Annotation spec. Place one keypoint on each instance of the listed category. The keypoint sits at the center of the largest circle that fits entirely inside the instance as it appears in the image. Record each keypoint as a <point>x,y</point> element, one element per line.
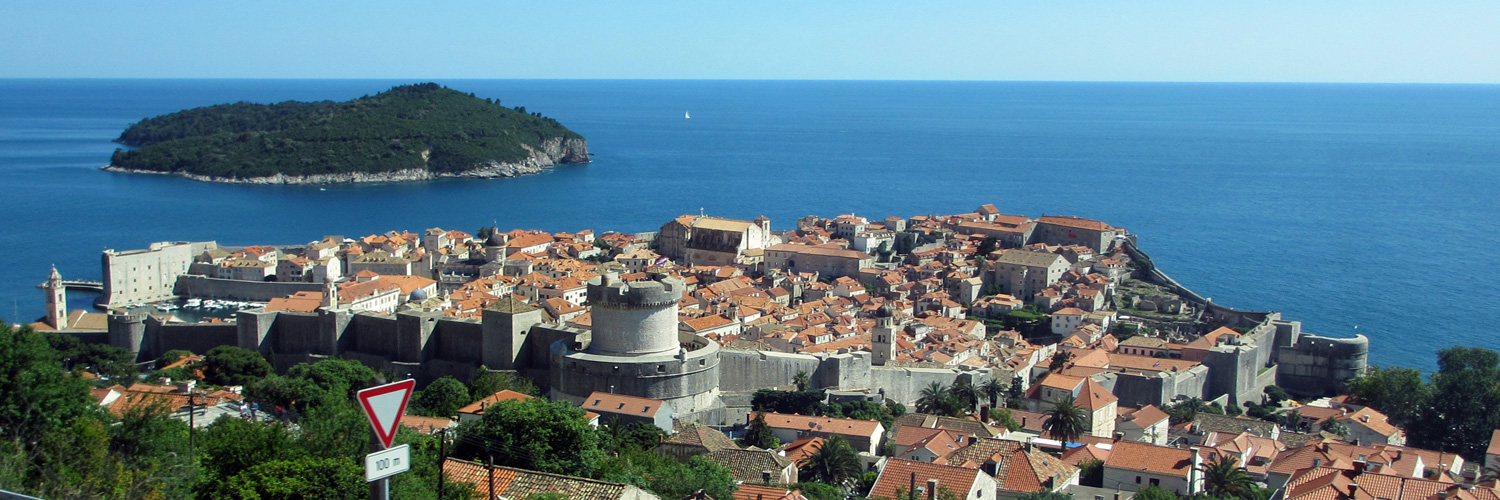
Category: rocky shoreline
<point>551,152</point>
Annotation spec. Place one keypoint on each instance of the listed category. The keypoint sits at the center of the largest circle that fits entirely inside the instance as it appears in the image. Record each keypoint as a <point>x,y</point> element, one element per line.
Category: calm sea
<point>1340,205</point>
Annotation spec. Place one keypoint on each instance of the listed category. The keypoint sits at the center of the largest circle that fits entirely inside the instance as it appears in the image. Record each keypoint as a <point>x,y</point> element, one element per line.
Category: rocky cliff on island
<point>409,133</point>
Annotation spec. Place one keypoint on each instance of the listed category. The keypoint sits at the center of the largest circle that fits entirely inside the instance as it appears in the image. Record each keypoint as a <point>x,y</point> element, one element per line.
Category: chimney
<point>932,486</point>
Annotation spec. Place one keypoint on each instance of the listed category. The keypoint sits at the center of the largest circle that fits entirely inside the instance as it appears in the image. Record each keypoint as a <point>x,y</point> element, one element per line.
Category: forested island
<point>408,133</point>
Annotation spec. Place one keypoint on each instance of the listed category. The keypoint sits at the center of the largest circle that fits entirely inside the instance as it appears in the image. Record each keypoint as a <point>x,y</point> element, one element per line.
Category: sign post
<point>384,405</point>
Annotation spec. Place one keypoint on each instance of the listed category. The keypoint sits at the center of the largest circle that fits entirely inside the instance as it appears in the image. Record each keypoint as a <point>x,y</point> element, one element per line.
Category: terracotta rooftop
<point>477,407</point>
<point>829,425</point>
<point>1132,455</point>
<point>510,482</point>
<point>897,474</point>
<point>620,404</point>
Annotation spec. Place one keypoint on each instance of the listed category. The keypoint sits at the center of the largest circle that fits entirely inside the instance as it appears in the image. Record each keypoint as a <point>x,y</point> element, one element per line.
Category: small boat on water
<point>686,116</point>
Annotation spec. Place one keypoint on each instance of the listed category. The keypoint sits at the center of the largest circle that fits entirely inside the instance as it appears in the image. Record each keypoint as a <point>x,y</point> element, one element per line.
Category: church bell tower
<point>57,301</point>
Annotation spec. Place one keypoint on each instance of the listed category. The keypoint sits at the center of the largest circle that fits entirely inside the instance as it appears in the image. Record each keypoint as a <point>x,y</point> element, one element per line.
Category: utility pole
<point>379,488</point>
<point>489,465</point>
<point>442,457</point>
<point>192,422</point>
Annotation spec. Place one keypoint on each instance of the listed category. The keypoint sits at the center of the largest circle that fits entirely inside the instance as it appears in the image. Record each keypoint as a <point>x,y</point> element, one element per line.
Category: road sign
<point>384,406</point>
<point>388,462</point>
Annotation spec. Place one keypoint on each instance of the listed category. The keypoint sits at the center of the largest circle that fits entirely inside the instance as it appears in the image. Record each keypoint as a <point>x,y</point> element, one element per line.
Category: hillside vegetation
<point>423,126</point>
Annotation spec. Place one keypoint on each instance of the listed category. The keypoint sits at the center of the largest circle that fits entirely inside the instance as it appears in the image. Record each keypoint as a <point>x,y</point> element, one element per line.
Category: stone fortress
<point>635,346</point>
<point>636,349</point>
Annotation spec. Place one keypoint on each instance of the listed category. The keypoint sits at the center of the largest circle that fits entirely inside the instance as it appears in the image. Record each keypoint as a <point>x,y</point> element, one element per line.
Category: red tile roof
<point>897,474</point>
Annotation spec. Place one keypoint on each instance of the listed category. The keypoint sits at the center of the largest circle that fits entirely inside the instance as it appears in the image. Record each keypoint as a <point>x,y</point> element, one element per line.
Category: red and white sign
<point>384,405</point>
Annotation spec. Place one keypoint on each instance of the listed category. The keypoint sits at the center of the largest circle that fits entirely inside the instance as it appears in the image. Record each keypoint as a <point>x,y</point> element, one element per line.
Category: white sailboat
<point>686,116</point>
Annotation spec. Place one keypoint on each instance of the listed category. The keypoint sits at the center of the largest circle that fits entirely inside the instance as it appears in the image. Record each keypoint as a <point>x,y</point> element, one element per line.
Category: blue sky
<point>1234,40</point>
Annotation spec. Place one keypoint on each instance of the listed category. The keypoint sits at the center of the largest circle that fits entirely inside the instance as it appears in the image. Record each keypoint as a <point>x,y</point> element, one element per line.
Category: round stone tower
<point>634,318</point>
<point>635,349</point>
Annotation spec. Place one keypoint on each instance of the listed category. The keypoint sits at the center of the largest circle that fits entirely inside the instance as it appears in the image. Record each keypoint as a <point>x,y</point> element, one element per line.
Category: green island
<point>408,133</point>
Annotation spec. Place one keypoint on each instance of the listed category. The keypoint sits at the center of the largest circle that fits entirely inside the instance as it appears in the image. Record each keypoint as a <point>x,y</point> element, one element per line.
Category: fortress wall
<point>1318,366</point>
<point>751,370</point>
<point>538,344</point>
<point>458,341</point>
<point>204,287</point>
<point>845,371</point>
<point>371,334</point>
<point>296,332</point>
<point>196,337</point>
<point>904,385</point>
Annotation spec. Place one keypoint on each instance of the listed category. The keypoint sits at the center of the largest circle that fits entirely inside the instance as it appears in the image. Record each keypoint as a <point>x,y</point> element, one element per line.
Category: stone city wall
<point>203,287</point>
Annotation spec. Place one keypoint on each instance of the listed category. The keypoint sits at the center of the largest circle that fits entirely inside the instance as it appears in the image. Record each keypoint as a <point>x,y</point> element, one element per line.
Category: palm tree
<point>801,380</point>
<point>966,395</point>
<point>1223,478</point>
<point>1065,421</point>
<point>933,398</point>
<point>833,463</point>
<point>994,388</point>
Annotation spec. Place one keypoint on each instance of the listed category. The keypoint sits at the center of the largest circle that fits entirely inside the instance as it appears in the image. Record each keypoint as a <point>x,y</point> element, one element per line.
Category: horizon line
<point>851,80</point>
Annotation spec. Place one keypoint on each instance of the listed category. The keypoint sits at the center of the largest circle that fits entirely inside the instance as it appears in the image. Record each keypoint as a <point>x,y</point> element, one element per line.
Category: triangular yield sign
<point>384,406</point>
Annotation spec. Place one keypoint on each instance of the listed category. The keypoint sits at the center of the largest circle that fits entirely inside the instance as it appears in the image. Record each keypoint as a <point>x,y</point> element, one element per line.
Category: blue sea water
<point>1338,205</point>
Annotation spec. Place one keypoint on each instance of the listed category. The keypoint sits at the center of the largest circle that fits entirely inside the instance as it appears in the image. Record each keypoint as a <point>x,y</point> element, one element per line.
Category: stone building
<point>825,261</point>
<point>136,276</point>
<point>702,240</point>
<point>1059,230</point>
<point>1022,273</point>
<point>635,349</point>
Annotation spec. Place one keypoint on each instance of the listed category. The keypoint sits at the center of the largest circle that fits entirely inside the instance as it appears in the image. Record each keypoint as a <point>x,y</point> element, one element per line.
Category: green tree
<point>1065,420</point>
<point>937,399</point>
<point>1223,478</point>
<point>994,388</point>
<point>1154,493</point>
<point>75,462</point>
<point>966,395</point>
<point>801,380</point>
<point>534,434</point>
<point>170,357</point>
<point>1399,393</point>
<point>1091,473</point>
<point>1275,395</point>
<point>619,436</point>
<point>758,433</point>
<point>818,491</point>
<point>666,477</point>
<point>1060,360</point>
<point>229,446</point>
<point>487,382</point>
<point>443,397</point>
<point>36,396</point>
<point>283,391</point>
<point>1016,390</point>
<point>335,429</point>
<point>103,359</point>
<point>233,365</point>
<point>1465,404</point>
<point>1045,495</point>
<point>799,402</point>
<point>835,462</point>
<point>1185,410</point>
<point>296,479</point>
<point>1335,427</point>
<point>1003,417</point>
